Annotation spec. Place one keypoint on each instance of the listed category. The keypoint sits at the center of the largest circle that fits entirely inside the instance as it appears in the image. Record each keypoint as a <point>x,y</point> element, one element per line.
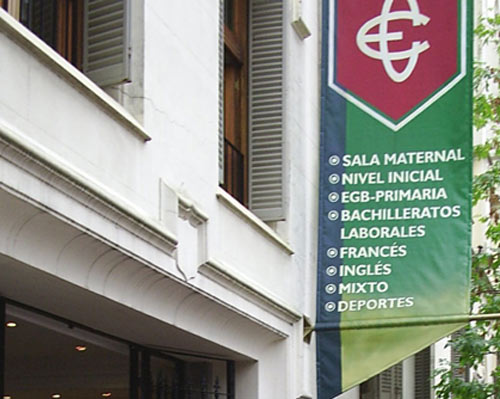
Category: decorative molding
<point>253,220</point>
<point>52,170</point>
<point>215,271</point>
<point>63,68</point>
<point>45,165</point>
<point>99,266</point>
<point>39,162</point>
<point>191,212</point>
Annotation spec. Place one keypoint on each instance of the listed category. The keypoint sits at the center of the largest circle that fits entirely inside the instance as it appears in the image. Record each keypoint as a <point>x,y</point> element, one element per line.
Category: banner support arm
<point>401,323</point>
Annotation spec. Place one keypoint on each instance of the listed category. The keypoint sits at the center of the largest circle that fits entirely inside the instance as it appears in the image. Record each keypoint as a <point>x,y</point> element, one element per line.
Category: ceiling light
<point>81,348</point>
<point>106,394</point>
<point>56,396</point>
<point>7,397</point>
<point>11,324</point>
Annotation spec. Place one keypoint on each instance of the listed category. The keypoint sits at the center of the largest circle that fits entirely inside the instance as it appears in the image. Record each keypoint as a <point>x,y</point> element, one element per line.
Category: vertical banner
<point>395,183</point>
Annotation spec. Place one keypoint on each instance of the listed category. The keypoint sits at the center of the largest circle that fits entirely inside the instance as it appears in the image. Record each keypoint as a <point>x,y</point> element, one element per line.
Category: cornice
<point>44,164</point>
<point>221,274</point>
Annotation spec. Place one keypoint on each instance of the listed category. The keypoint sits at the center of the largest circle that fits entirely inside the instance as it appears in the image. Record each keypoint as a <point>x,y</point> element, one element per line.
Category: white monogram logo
<point>383,37</point>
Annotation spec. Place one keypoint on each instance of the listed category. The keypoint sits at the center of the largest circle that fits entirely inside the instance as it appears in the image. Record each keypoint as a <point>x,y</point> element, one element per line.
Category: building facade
<point>158,198</point>
<point>158,201</point>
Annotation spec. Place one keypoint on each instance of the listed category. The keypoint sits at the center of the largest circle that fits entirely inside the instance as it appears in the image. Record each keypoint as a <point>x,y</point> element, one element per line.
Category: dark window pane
<point>165,378</point>
<point>229,13</point>
<point>40,16</point>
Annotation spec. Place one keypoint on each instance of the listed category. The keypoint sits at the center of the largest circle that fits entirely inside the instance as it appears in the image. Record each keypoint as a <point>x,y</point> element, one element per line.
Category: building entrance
<point>43,356</point>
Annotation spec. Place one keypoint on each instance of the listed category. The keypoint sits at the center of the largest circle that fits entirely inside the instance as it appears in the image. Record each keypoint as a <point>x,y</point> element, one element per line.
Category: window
<point>408,379</point>
<point>386,385</point>
<point>58,23</point>
<point>462,373</point>
<point>235,99</point>
<point>423,385</point>
<point>93,35</point>
<point>252,164</point>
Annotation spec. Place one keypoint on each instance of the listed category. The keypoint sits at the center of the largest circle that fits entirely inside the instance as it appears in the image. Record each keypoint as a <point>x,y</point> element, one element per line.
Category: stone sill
<point>226,199</point>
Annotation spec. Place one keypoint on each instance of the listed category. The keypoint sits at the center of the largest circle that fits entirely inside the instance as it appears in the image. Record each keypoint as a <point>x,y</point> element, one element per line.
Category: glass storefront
<point>46,357</point>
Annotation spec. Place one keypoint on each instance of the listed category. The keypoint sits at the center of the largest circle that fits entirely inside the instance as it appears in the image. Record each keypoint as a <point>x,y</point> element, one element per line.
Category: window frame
<point>235,100</point>
<point>78,35</point>
<point>264,171</point>
<point>68,26</point>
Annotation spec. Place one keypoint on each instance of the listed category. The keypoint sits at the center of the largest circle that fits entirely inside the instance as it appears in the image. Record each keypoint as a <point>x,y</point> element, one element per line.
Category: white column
<point>409,378</point>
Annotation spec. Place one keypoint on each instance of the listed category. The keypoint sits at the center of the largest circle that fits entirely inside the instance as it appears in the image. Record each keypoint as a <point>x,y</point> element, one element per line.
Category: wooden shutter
<point>423,374</point>
<point>266,163</point>
<point>107,41</point>
<point>391,383</point>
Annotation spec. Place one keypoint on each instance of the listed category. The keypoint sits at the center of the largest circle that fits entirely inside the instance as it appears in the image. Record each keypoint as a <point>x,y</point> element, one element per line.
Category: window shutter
<point>461,373</point>
<point>423,374</point>
<point>398,381</point>
<point>106,50</point>
<point>369,389</point>
<point>391,383</point>
<point>385,384</point>
<point>221,91</point>
<point>266,169</point>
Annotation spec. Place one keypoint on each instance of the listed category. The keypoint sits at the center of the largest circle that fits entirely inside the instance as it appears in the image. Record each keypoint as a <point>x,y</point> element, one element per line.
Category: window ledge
<point>58,64</point>
<point>220,273</point>
<point>227,199</point>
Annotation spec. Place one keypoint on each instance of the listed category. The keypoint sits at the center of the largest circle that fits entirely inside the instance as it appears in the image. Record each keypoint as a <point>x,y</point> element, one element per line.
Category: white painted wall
<point>55,110</point>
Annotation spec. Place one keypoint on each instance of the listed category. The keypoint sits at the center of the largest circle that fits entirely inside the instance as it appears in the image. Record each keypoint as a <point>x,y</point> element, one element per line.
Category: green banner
<point>395,183</point>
